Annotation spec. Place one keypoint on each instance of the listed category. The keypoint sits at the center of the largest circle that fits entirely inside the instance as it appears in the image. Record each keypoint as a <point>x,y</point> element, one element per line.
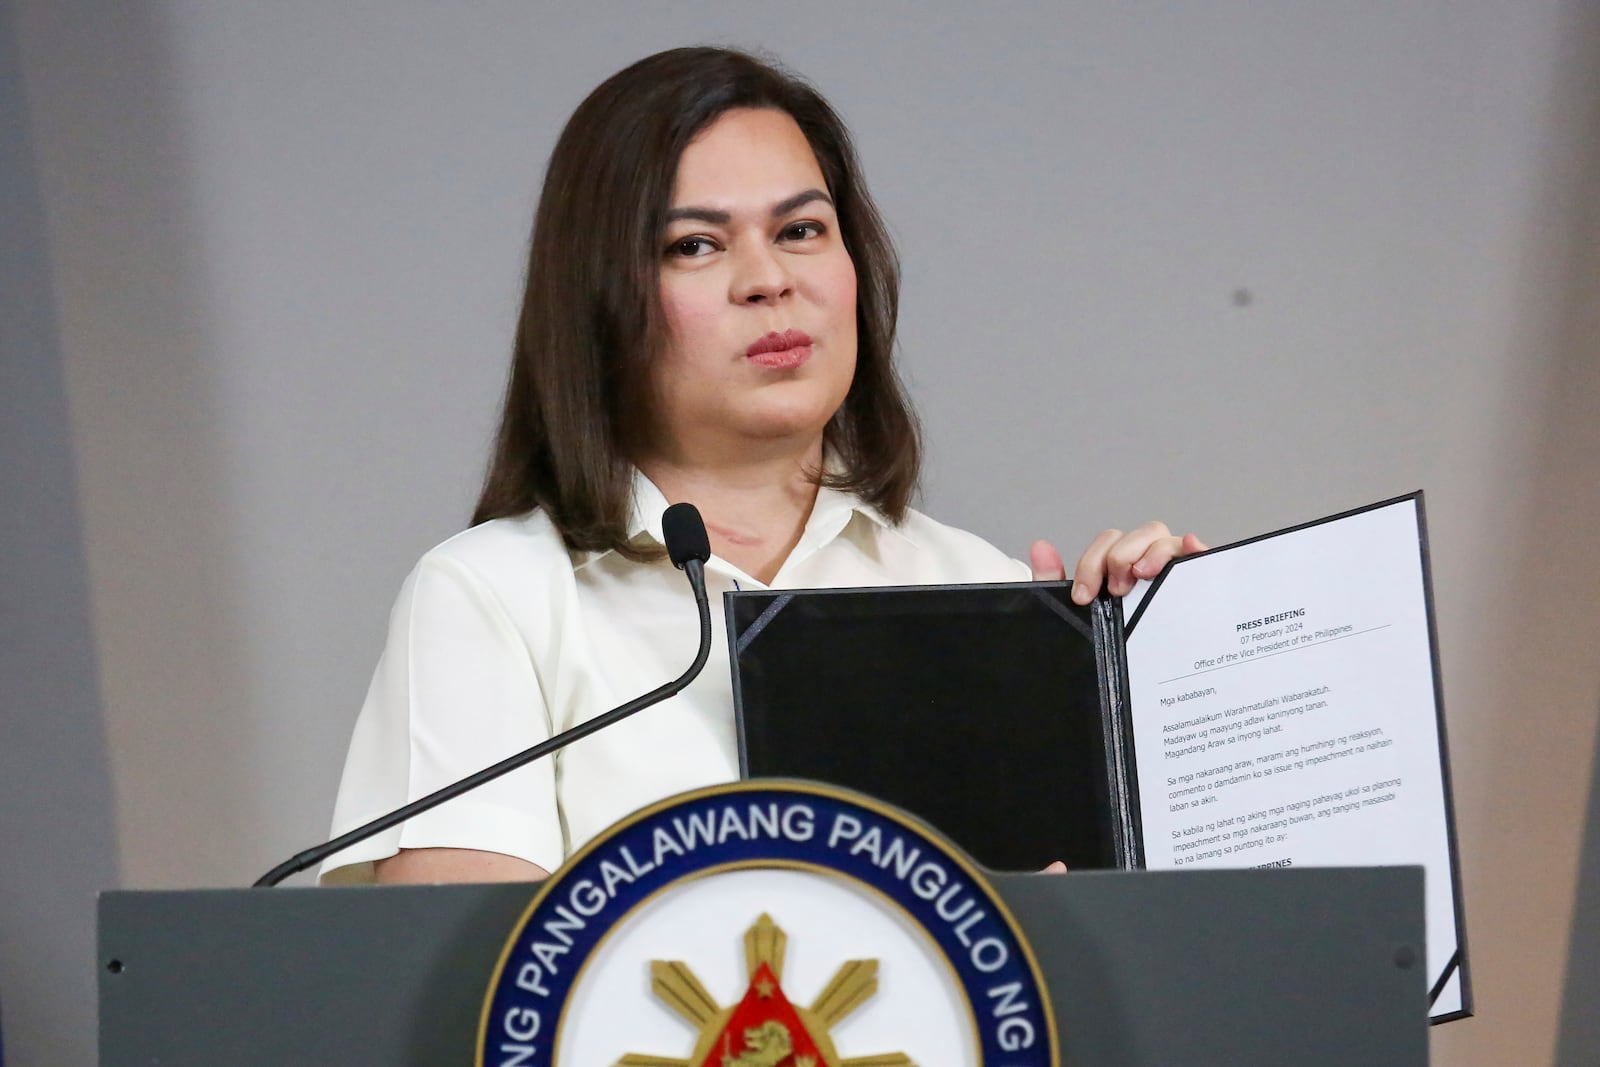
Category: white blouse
<point>501,637</point>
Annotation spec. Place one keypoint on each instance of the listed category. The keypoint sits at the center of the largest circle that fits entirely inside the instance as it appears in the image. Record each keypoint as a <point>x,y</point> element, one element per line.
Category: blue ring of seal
<point>578,905</point>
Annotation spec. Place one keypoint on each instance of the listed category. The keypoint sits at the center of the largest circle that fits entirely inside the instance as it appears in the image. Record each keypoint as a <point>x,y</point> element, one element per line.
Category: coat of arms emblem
<point>764,1028</point>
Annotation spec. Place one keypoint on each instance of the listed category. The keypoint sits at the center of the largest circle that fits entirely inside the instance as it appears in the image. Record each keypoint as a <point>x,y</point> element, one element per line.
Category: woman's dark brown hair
<point>576,402</point>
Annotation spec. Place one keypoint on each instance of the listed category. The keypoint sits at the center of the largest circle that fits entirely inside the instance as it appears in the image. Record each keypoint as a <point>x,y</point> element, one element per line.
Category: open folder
<point>1270,703</point>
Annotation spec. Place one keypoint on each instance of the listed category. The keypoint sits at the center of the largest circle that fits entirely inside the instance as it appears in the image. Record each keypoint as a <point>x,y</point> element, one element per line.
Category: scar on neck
<point>734,537</point>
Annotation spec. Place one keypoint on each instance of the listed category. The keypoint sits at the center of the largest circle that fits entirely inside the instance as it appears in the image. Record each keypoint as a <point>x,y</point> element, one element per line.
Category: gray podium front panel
<point>1167,969</point>
<point>1290,967</point>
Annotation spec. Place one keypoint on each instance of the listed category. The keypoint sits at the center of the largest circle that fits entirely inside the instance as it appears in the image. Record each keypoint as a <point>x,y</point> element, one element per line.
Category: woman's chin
<point>760,430</point>
<point>799,429</point>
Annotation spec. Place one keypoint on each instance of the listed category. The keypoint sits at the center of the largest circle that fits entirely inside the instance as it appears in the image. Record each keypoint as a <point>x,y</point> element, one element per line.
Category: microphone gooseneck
<point>689,549</point>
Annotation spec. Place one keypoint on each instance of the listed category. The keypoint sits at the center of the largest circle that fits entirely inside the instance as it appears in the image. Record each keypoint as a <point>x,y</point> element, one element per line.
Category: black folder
<point>992,711</point>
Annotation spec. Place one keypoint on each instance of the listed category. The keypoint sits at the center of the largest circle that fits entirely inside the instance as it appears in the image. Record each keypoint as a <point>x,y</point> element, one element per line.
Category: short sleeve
<point>456,690</point>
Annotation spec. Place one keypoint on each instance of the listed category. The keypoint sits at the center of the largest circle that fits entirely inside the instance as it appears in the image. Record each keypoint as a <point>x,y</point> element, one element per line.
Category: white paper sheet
<point>1284,711</point>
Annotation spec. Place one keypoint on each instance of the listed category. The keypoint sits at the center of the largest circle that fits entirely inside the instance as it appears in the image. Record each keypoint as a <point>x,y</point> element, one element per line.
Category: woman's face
<point>759,296</point>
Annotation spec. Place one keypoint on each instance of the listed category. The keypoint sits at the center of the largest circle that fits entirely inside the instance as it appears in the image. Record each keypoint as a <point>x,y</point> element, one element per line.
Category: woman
<point>709,316</point>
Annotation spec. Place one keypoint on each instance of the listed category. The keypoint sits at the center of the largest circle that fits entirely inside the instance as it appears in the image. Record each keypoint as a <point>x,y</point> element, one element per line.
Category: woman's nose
<point>760,275</point>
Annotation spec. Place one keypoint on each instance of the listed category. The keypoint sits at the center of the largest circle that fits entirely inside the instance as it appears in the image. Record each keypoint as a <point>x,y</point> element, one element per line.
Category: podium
<point>1144,969</point>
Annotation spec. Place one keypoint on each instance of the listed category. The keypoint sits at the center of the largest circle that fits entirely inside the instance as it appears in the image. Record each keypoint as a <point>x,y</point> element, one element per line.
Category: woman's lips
<point>781,351</point>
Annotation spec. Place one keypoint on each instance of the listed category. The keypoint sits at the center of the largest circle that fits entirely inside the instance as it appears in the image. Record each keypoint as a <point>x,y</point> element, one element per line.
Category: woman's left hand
<point>1114,559</point>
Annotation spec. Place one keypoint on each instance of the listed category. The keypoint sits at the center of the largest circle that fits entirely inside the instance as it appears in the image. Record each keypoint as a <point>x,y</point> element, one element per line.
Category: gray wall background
<point>1235,265</point>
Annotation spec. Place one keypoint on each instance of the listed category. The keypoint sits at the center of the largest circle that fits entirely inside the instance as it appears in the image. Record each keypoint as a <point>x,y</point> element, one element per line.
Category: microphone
<point>685,536</point>
<point>688,548</point>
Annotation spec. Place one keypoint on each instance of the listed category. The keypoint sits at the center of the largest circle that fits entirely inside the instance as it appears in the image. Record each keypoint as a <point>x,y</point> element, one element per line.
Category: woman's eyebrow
<point>722,218</point>
<point>798,200</point>
<point>699,214</point>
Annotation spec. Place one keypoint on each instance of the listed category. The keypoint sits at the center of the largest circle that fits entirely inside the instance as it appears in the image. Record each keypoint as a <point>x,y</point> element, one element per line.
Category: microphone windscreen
<point>685,534</point>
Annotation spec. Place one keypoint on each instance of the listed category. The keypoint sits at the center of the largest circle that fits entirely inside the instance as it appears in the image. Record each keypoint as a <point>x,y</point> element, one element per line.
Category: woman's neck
<point>755,509</point>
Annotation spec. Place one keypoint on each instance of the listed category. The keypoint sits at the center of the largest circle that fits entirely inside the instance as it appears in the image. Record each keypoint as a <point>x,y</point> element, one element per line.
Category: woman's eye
<point>690,247</point>
<point>800,231</point>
